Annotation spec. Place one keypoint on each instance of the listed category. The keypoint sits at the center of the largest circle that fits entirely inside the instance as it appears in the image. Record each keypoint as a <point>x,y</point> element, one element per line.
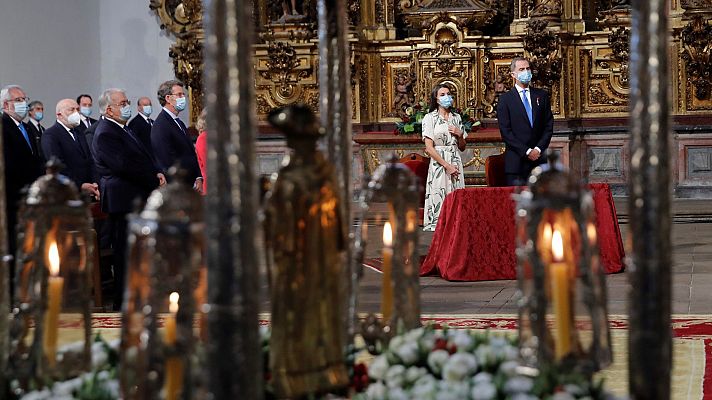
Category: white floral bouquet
<point>430,364</point>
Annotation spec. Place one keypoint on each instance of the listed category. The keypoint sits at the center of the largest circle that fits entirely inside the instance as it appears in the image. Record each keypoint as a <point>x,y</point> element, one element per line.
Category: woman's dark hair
<point>434,96</point>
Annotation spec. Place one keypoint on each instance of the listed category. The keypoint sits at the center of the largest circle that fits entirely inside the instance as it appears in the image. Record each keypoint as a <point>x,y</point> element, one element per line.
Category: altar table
<point>474,239</point>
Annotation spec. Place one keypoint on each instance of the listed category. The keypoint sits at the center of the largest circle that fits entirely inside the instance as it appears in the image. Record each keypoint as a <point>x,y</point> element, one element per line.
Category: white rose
<point>485,354</point>
<point>414,334</point>
<point>437,359</point>
<point>376,391</point>
<point>408,353</point>
<point>454,390</point>
<point>484,391</point>
<point>424,388</point>
<point>509,368</point>
<point>397,394</point>
<point>511,353</point>
<point>414,373</point>
<point>462,340</point>
<point>562,396</point>
<point>396,342</point>
<point>482,377</point>
<point>379,366</point>
<point>575,390</point>
<point>518,384</point>
<point>524,396</point>
<point>395,376</point>
<point>459,366</point>
<point>427,342</point>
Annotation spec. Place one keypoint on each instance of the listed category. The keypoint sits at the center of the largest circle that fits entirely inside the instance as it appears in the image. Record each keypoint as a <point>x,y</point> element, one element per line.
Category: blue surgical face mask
<point>38,116</point>
<point>445,100</point>
<point>86,111</point>
<point>21,109</point>
<point>147,110</point>
<point>524,76</point>
<point>180,103</point>
<point>126,112</point>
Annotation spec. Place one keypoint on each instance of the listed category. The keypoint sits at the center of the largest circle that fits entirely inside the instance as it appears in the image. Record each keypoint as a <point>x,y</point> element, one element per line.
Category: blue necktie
<point>27,137</point>
<point>527,107</point>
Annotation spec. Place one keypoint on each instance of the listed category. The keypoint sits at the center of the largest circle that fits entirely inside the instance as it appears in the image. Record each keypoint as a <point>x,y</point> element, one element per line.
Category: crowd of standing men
<point>113,159</point>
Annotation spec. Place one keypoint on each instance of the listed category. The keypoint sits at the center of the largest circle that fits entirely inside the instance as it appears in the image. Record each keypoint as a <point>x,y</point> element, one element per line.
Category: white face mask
<point>74,119</point>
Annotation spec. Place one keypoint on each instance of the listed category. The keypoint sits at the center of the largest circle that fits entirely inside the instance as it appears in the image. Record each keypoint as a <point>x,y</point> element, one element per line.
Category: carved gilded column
<point>650,335</point>
<point>378,18</point>
<point>525,10</point>
<point>184,20</point>
<point>234,355</point>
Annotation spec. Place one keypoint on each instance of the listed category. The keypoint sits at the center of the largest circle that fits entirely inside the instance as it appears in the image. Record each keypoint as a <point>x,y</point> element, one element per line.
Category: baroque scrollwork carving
<point>697,54</point>
<point>468,15</point>
<point>545,9</point>
<point>184,20</point>
<point>282,63</point>
<point>619,42</point>
<point>542,47</point>
<point>404,95</point>
<point>496,81</point>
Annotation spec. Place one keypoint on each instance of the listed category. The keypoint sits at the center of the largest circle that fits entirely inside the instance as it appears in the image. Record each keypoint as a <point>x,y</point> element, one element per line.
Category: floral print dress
<point>439,184</point>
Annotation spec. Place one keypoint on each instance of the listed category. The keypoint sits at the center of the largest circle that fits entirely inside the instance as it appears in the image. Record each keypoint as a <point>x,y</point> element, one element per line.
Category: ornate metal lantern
<point>559,271</point>
<point>53,277</point>
<point>392,198</point>
<point>166,274</point>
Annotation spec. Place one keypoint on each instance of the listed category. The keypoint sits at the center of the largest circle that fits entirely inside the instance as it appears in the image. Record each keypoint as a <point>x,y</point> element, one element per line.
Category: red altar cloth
<point>474,239</point>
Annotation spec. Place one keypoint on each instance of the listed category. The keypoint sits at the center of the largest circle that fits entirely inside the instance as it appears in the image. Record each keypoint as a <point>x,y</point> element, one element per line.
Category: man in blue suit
<point>23,160</point>
<point>128,172</point>
<point>169,135</point>
<point>525,123</point>
<point>71,148</point>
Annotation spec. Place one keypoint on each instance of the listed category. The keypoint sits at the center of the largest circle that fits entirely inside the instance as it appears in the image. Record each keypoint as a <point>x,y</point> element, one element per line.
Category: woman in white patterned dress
<point>444,137</point>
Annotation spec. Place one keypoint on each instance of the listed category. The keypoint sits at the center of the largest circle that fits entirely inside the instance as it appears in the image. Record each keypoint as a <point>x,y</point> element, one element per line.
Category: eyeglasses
<point>20,99</point>
<point>123,104</point>
<point>178,94</point>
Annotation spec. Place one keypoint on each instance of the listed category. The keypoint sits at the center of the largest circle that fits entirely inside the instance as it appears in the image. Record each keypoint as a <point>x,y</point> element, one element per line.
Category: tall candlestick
<point>55,284</point>
<point>387,285</point>
<point>173,382</point>
<point>560,293</point>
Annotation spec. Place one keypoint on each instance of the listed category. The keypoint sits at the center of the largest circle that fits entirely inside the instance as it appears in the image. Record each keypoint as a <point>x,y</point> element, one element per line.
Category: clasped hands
<point>534,154</point>
<point>454,130</point>
<point>197,186</point>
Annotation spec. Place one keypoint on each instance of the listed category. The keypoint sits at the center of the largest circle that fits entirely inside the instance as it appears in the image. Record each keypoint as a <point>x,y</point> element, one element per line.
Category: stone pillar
<point>335,106</point>
<point>377,20</point>
<point>234,356</point>
<point>650,336</point>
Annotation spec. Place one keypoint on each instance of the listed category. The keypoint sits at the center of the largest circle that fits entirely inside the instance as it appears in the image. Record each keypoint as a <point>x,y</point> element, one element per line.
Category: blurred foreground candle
<point>560,294</point>
<point>387,285</point>
<point>173,381</point>
<point>55,284</point>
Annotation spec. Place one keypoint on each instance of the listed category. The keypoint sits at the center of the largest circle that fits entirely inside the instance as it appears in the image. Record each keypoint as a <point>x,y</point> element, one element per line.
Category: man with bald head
<point>23,162</point>
<point>141,124</point>
<point>61,140</point>
<point>128,172</point>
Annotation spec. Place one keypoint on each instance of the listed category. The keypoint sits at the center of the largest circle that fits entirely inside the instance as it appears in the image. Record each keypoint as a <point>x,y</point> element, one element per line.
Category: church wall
<point>61,48</point>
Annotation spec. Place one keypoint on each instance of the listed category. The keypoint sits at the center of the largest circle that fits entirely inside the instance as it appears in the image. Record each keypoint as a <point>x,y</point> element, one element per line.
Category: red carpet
<point>692,345</point>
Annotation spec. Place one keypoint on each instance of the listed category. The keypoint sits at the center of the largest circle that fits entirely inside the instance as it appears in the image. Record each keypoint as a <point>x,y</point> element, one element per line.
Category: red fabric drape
<point>474,239</point>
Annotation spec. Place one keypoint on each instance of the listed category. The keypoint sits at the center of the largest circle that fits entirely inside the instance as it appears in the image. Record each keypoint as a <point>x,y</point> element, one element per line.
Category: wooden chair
<point>494,171</point>
<point>419,165</point>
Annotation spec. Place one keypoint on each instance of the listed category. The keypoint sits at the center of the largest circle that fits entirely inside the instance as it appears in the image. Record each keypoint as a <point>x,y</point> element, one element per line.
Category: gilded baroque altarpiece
<point>400,49</point>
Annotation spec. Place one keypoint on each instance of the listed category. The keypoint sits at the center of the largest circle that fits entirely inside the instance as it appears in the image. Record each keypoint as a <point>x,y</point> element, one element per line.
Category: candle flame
<point>53,259</point>
<point>387,235</point>
<point>173,299</point>
<point>557,246</point>
<point>591,230</point>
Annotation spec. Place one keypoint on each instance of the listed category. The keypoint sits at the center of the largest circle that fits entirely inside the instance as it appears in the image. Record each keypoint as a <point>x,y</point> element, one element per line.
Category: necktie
<point>40,128</point>
<point>527,107</point>
<point>27,137</point>
<point>182,126</point>
<point>150,121</point>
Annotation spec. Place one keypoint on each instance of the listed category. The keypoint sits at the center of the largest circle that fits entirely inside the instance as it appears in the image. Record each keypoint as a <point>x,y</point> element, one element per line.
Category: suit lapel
<point>536,99</point>
<point>520,105</point>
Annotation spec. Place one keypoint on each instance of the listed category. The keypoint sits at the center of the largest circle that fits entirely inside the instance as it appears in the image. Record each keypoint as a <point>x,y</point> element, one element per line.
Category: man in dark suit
<point>142,123</point>
<point>127,172</point>
<point>85,103</point>
<point>23,163</point>
<point>61,141</point>
<point>35,113</point>
<point>525,123</point>
<point>169,135</point>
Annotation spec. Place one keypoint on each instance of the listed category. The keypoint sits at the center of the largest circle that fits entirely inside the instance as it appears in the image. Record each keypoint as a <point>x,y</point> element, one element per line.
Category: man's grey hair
<point>513,65</point>
<point>5,93</point>
<point>105,98</point>
<point>33,104</point>
<point>166,88</point>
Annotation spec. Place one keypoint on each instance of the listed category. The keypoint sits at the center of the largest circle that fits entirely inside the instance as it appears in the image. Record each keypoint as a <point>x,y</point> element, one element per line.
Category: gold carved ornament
<point>697,54</point>
<point>184,20</point>
<point>542,47</point>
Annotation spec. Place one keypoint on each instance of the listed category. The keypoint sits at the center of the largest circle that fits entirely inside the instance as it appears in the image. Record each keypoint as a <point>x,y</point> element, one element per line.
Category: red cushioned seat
<point>494,171</point>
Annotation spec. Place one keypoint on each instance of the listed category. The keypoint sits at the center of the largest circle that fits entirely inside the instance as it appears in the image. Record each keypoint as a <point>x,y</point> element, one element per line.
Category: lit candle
<point>55,284</point>
<point>560,293</point>
<point>387,286</point>
<point>173,381</point>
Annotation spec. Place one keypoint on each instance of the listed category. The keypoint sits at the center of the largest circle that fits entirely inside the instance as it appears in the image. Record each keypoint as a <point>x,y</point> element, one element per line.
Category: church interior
<point>304,268</point>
